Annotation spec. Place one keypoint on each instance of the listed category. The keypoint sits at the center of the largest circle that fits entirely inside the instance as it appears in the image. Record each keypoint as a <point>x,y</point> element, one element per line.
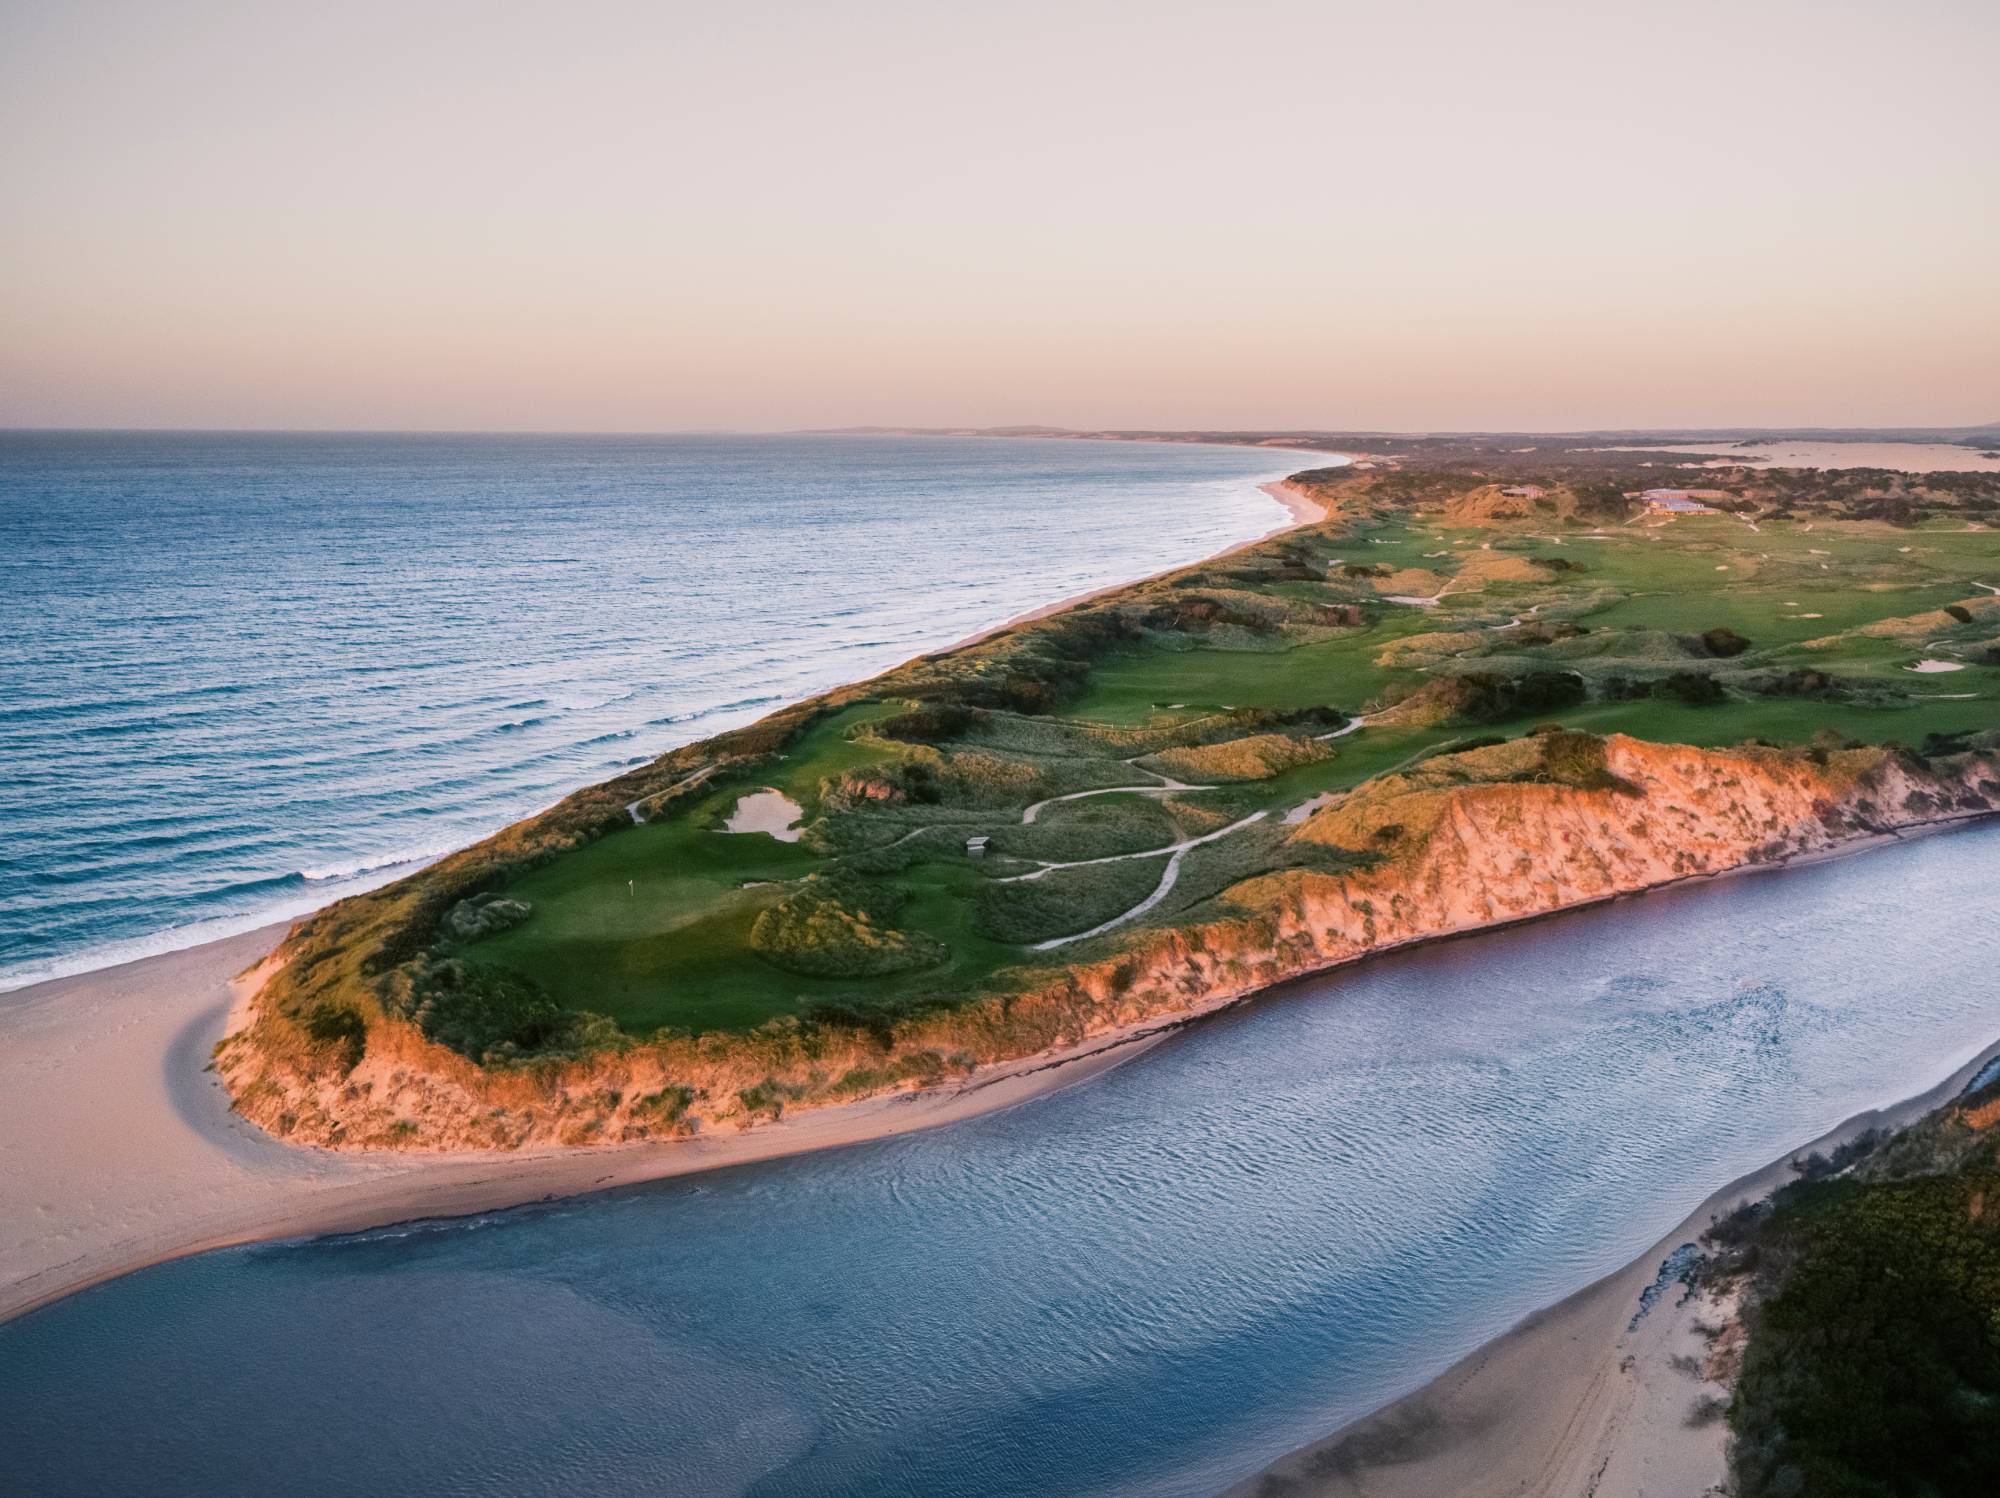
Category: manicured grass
<point>651,926</point>
<point>1338,673</point>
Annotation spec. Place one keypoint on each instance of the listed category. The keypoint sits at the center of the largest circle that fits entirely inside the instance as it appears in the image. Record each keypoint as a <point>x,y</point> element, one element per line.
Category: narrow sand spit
<point>769,811</point>
<point>1580,1399</point>
<point>117,1150</point>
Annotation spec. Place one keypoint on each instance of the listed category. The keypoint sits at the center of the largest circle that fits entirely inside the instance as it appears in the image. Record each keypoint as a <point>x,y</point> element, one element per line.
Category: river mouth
<point>1154,1283</point>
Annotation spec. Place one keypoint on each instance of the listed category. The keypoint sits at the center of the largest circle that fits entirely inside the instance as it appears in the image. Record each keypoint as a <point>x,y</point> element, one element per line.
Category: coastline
<point>92,1063</point>
<point>82,1080</point>
<point>1300,508</point>
<point>1580,1397</point>
<point>373,873</point>
<point>88,1210</point>
<point>94,1060</point>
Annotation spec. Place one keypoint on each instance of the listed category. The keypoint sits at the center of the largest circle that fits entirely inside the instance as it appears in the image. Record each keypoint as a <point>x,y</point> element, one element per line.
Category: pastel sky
<point>599,215</point>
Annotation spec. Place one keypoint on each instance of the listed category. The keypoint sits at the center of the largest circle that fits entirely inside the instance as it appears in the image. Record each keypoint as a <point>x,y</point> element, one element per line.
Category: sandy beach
<point>1583,1398</point>
<point>119,1150</point>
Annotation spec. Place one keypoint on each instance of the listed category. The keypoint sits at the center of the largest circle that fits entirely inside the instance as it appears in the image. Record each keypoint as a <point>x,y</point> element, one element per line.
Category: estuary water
<point>243,674</point>
<point>1149,1284</point>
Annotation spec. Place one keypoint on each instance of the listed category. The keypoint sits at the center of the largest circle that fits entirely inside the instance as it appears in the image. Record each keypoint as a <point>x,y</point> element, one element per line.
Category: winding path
<point>1168,877</point>
<point>632,807</point>
<point>1166,787</point>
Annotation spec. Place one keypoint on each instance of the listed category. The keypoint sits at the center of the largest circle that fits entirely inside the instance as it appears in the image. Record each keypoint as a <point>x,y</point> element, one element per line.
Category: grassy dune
<point>1790,622</point>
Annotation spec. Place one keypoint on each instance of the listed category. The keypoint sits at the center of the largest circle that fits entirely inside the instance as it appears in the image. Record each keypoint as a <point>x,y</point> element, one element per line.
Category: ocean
<point>242,674</point>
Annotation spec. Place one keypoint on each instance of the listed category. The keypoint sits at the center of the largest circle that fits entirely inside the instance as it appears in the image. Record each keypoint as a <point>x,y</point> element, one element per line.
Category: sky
<point>611,216</point>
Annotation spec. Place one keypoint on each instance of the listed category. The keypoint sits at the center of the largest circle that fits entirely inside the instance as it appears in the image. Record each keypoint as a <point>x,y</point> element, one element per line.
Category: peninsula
<point>1493,682</point>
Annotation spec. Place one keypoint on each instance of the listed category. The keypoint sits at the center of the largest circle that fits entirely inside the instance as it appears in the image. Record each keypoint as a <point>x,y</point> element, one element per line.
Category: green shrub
<point>1493,697</point>
<point>840,926</point>
<point>340,1029</point>
<point>496,1016</point>
<point>1578,759</point>
<point>1874,1368</point>
<point>665,1111</point>
<point>1690,688</point>
<point>933,723</point>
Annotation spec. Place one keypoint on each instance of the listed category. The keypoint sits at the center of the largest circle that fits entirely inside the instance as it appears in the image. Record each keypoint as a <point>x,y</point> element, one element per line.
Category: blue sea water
<point>1149,1284</point>
<point>242,674</point>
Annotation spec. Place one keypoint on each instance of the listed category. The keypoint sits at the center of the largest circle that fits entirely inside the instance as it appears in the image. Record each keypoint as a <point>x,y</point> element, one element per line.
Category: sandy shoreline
<point>118,1150</point>
<point>1580,1398</point>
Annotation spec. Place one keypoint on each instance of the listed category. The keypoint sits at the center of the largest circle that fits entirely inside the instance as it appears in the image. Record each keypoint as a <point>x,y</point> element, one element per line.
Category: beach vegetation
<point>841,927</point>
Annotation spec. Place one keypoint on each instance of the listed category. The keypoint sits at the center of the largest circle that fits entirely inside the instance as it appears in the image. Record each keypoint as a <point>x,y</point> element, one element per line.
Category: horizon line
<point>1010,429</point>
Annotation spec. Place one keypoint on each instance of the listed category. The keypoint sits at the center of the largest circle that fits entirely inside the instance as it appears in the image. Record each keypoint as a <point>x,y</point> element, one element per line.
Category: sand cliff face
<point>1462,843</point>
<point>1462,858</point>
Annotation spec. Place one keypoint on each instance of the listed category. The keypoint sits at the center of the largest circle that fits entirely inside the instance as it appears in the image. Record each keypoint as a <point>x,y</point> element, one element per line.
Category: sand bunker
<point>767,811</point>
<point>1931,668</point>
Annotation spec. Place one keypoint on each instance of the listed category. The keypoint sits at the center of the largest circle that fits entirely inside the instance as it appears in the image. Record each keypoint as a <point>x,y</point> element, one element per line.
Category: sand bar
<point>118,1150</point>
<point>1901,457</point>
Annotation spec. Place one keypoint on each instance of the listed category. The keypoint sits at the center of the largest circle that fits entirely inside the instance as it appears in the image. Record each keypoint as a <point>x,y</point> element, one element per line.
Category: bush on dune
<point>841,927</point>
<point>1493,697</point>
<point>1873,1365</point>
<point>1689,688</point>
<point>1254,758</point>
<point>494,1015</point>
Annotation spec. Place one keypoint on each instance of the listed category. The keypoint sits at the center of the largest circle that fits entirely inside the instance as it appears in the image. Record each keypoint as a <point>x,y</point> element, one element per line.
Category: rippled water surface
<point>243,674</point>
<point>1152,1283</point>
